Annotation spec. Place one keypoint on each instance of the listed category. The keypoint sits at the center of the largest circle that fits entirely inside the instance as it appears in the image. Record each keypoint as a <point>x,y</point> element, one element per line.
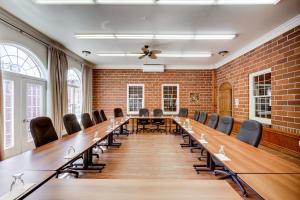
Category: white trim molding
<point>167,67</point>
<point>252,100</point>
<point>292,23</point>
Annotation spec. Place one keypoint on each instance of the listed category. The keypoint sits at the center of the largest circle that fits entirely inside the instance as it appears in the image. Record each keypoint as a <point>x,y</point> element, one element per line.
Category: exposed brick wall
<point>110,88</point>
<point>282,55</point>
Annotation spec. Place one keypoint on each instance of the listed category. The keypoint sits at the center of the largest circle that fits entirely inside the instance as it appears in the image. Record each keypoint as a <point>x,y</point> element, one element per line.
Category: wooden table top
<point>244,158</point>
<point>108,189</point>
<point>274,186</point>
<point>36,177</point>
<point>51,156</point>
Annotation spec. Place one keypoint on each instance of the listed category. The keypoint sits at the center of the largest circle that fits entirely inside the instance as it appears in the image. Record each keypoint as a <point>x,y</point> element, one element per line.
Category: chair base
<point>235,179</point>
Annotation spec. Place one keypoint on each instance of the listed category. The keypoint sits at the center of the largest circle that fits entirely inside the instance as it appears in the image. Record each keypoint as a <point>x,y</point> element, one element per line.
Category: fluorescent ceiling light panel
<point>186,2</point>
<point>160,2</point>
<point>247,2</point>
<point>57,2</point>
<point>126,2</point>
<point>162,55</point>
<point>124,36</point>
<point>193,55</point>
<point>95,36</point>
<point>156,37</point>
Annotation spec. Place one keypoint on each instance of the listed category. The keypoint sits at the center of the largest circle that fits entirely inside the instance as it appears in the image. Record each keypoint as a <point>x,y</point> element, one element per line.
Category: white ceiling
<point>60,22</point>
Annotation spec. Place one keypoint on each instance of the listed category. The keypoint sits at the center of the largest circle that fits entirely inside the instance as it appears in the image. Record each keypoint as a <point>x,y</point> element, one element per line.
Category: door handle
<point>26,120</point>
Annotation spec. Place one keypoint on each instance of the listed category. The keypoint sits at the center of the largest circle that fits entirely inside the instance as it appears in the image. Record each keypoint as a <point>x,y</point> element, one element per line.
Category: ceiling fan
<point>150,53</point>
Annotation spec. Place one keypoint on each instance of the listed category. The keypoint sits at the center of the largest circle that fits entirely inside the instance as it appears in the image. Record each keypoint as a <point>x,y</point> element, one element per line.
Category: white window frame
<point>252,100</point>
<point>73,87</point>
<point>143,101</point>
<point>177,102</point>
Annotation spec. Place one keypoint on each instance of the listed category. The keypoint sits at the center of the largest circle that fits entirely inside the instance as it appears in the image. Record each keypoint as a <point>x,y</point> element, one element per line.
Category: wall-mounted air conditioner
<point>153,68</point>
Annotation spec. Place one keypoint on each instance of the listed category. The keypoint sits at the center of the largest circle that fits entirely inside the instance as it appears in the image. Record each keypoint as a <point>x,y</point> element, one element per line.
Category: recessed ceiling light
<point>57,2</point>
<point>156,37</point>
<point>162,55</point>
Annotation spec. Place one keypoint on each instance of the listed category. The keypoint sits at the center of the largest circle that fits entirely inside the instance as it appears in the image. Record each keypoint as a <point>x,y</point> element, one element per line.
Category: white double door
<point>24,98</point>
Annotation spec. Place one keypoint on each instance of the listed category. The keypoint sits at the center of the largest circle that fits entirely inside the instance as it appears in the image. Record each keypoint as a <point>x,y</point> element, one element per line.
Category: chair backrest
<point>118,112</point>
<point>158,112</point>
<point>202,117</point>
<point>183,112</point>
<point>103,116</point>
<point>226,125</point>
<point>42,131</point>
<point>86,120</point>
<point>143,112</point>
<point>196,115</point>
<point>213,120</point>
<point>250,132</point>
<point>71,123</point>
<point>96,117</point>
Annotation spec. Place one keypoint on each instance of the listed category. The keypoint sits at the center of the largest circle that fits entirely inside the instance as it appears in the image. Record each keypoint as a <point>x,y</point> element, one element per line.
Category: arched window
<point>19,60</point>
<point>74,92</point>
<point>24,95</point>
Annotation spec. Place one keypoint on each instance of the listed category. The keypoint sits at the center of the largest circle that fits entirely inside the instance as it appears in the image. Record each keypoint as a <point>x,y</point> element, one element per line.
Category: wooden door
<point>225,99</point>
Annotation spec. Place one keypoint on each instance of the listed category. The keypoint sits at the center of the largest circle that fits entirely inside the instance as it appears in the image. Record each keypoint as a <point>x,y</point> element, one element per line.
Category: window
<point>17,60</point>
<point>260,96</point>
<point>135,98</point>
<point>170,98</point>
<point>74,92</point>
<point>24,96</point>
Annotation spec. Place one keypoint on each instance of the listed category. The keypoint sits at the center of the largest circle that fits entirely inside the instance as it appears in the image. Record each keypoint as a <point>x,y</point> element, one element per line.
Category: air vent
<point>153,68</point>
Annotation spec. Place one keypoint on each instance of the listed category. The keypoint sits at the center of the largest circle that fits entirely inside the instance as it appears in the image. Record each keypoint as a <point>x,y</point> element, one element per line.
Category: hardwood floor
<point>151,156</point>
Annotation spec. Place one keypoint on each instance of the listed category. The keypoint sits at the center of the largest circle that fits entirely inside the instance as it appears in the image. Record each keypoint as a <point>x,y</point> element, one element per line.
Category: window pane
<point>8,107</point>
<point>74,93</point>
<point>135,98</point>
<point>17,60</point>
<point>170,98</point>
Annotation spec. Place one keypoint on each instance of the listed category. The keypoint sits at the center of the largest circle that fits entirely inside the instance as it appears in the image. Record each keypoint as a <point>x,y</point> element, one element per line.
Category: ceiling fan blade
<point>142,56</point>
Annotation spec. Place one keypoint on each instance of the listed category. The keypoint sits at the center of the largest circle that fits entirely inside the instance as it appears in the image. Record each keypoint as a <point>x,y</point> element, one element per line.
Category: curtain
<point>1,116</point>
<point>57,84</point>
<point>87,84</point>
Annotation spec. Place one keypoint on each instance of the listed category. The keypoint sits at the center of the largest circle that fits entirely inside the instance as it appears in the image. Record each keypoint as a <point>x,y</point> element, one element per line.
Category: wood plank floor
<point>150,156</point>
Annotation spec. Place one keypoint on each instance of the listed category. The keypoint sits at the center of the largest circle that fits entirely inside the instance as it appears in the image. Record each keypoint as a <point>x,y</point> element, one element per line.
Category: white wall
<point>10,35</point>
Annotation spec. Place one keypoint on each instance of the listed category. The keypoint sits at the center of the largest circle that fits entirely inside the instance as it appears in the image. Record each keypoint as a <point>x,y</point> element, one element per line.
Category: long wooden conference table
<point>252,165</point>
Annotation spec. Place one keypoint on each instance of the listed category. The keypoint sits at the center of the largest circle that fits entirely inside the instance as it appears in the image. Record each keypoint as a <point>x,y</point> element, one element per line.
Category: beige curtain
<point>87,85</point>
<point>58,70</point>
<point>1,117</point>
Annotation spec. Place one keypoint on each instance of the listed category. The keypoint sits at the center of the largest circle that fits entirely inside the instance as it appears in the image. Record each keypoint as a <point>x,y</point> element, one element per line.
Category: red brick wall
<point>282,55</point>
<point>110,88</point>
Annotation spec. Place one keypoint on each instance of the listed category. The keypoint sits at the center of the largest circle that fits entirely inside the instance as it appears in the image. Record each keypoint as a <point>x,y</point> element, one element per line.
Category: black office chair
<point>71,123</point>
<point>43,132</point>
<point>226,125</point>
<point>96,116</point>
<point>158,122</point>
<point>202,117</point>
<point>196,115</point>
<point>118,112</point>
<point>250,133</point>
<point>143,112</point>
<point>86,120</point>
<point>213,120</point>
<point>103,116</point>
<point>183,112</point>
